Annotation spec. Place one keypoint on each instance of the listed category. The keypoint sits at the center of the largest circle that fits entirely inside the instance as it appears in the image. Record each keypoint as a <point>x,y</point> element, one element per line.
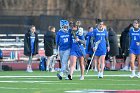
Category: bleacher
<point>14,43</point>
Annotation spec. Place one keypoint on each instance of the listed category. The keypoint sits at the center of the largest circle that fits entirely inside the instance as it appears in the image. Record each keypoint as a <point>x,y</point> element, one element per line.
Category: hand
<point>74,28</point>
<point>138,43</point>
<point>108,49</point>
<point>77,39</point>
<point>94,49</point>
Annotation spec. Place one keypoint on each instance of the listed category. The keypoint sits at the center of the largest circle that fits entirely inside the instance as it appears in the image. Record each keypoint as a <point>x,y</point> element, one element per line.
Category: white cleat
<point>95,70</point>
<point>125,69</point>
<point>29,70</point>
<point>132,75</point>
<point>66,78</point>
<point>100,75</point>
<point>138,75</point>
<point>82,78</point>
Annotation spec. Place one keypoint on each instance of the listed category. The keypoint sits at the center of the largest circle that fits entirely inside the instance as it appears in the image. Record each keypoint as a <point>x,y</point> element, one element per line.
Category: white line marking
<point>126,75</point>
<point>113,79</point>
<point>102,91</point>
<point>27,81</point>
<point>60,83</point>
<point>13,88</point>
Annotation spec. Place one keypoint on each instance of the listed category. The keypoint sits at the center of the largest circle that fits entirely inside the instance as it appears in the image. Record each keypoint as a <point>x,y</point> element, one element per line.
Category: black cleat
<point>58,75</point>
<point>69,76</point>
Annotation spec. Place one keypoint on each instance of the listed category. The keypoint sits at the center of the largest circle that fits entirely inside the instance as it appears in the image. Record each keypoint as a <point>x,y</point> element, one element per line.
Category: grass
<point>47,82</point>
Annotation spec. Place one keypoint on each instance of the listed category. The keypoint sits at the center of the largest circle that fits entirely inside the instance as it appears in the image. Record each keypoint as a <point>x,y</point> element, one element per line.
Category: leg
<point>111,62</point>
<point>114,62</point>
<point>65,60</point>
<point>72,65</point>
<point>82,67</point>
<point>132,60</point>
<point>97,59</point>
<point>78,65</point>
<point>48,63</point>
<point>98,63</point>
<point>127,62</point>
<point>64,56</point>
<point>138,57</point>
<point>29,67</point>
<point>87,56</point>
<point>95,65</point>
<point>102,58</point>
<point>52,63</point>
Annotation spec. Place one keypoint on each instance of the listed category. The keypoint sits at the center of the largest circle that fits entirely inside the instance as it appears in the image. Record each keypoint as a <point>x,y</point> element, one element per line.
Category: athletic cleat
<point>132,75</point>
<point>124,69</point>
<point>66,78</point>
<point>59,76</point>
<point>29,70</point>
<point>95,69</point>
<point>138,75</point>
<point>82,78</point>
<point>100,75</point>
<point>69,76</point>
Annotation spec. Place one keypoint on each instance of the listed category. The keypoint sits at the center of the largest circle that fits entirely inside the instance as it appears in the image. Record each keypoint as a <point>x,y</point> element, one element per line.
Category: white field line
<point>123,75</point>
<point>60,83</point>
<point>102,91</point>
<point>14,81</point>
<point>14,88</point>
<point>113,79</point>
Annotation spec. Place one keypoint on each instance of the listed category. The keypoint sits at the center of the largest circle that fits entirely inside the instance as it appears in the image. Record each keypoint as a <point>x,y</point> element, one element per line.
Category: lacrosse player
<point>63,41</point>
<point>134,50</point>
<point>100,33</point>
<point>77,51</point>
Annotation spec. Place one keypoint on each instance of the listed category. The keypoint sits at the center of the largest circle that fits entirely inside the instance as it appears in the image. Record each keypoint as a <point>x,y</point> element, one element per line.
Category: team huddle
<point>73,45</point>
<point>71,42</point>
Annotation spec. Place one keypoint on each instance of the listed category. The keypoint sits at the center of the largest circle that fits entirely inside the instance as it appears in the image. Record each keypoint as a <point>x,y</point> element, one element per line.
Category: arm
<point>107,42</point>
<point>26,45</point>
<point>57,41</point>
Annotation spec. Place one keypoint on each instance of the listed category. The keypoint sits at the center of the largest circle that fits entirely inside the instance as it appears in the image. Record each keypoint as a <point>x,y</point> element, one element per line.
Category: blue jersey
<point>100,35</point>
<point>63,40</point>
<point>32,38</point>
<point>134,39</point>
<point>88,43</point>
<point>77,48</point>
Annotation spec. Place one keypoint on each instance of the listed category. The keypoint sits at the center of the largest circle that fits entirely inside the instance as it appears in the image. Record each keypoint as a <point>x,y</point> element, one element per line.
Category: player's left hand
<point>138,43</point>
<point>108,49</point>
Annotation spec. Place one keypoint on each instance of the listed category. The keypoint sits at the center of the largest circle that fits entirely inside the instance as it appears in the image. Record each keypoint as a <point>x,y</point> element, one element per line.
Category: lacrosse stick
<point>96,46</point>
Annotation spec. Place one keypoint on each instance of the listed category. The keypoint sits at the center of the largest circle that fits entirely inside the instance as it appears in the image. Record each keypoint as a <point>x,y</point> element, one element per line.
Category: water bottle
<point>12,55</point>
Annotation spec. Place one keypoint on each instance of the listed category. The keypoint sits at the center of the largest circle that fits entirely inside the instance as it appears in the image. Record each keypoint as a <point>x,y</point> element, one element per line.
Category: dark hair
<point>50,28</point>
<point>138,20</point>
<point>71,23</point>
<point>98,21</point>
<point>31,26</point>
<point>89,27</point>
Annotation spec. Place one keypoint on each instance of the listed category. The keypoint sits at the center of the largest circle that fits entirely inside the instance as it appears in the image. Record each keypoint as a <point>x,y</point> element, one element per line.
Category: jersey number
<point>65,40</point>
<point>134,37</point>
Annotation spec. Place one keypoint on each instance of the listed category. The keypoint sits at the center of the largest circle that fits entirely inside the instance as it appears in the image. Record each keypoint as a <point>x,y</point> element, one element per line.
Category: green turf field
<point>47,82</point>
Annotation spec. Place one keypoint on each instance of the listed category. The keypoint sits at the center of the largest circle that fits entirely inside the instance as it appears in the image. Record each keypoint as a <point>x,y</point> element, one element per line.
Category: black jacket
<point>27,45</point>
<point>49,43</point>
<point>113,42</point>
<point>125,41</point>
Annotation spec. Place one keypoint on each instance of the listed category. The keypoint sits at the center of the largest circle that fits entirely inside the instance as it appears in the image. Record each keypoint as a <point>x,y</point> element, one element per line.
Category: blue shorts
<point>77,53</point>
<point>100,53</point>
<point>89,52</point>
<point>134,51</point>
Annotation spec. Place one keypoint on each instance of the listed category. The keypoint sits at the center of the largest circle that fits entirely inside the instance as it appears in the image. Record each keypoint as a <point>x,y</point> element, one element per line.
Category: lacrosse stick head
<point>97,43</point>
